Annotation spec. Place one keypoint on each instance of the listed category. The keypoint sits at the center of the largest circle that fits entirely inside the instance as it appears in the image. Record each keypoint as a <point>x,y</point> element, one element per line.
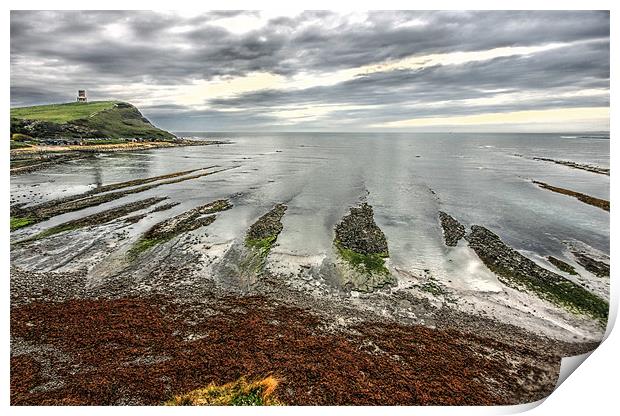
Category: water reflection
<point>476,178</point>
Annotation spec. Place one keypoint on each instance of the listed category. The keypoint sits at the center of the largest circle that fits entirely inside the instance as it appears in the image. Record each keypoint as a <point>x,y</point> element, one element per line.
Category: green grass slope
<point>110,119</point>
<point>61,113</point>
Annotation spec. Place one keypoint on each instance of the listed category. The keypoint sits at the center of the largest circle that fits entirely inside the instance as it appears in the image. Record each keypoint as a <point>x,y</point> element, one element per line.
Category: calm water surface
<point>407,178</point>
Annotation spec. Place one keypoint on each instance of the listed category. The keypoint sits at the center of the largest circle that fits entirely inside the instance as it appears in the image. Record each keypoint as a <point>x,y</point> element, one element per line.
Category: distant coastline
<point>45,135</point>
<point>35,157</point>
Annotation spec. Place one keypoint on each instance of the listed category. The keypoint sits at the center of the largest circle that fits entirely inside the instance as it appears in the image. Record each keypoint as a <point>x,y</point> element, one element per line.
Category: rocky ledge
<point>519,272</point>
<point>595,267</point>
<point>187,221</point>
<point>261,237</point>
<point>574,165</point>
<point>363,247</point>
<point>358,232</point>
<point>453,230</point>
<point>268,226</point>
<point>587,199</point>
<point>562,265</point>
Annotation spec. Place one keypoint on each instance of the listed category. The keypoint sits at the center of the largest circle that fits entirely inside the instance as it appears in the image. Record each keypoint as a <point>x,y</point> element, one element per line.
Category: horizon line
<point>394,132</point>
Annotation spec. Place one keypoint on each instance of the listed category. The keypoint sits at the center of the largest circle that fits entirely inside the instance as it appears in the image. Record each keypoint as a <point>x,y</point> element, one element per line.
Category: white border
<point>592,389</point>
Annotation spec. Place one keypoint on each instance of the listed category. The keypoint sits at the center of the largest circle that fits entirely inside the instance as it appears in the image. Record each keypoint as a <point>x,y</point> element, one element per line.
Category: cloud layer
<point>233,70</point>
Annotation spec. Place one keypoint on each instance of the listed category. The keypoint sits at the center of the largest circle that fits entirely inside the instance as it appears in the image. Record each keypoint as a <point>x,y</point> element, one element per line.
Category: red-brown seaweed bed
<point>145,350</point>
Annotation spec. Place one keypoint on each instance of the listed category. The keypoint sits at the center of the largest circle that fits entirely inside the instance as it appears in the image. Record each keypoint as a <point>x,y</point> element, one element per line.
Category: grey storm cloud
<point>54,53</point>
<point>582,66</point>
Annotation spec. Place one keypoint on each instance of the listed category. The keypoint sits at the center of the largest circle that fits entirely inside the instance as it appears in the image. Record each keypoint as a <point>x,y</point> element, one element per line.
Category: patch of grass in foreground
<point>238,393</point>
<point>369,263</point>
<point>20,222</point>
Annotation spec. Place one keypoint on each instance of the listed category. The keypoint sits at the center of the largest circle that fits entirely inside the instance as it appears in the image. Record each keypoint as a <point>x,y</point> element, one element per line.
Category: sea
<point>479,179</point>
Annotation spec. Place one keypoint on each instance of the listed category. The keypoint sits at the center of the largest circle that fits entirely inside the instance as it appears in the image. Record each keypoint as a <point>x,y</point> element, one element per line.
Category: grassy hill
<point>61,113</point>
<point>103,119</point>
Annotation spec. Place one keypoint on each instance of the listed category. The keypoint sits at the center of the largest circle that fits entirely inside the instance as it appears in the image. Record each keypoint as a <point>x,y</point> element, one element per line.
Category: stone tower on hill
<point>81,96</point>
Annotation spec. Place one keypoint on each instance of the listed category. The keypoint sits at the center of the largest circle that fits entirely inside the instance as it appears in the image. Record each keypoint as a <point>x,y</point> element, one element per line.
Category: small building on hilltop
<point>81,98</point>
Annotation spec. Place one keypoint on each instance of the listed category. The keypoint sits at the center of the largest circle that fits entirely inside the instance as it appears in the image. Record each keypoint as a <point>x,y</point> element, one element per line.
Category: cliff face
<point>110,119</point>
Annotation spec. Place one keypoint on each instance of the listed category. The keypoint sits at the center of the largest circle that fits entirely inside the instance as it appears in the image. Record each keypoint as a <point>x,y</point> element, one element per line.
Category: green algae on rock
<point>97,196</point>
<point>517,271</point>
<point>561,265</point>
<point>100,218</point>
<point>362,246</point>
<point>187,221</point>
<point>262,235</point>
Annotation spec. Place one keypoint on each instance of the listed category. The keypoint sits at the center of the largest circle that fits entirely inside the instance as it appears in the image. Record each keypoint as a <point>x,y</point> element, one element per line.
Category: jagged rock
<point>453,230</point>
<point>595,267</point>
<point>362,247</point>
<point>268,225</point>
<point>188,220</point>
<point>259,240</point>
<point>358,232</point>
<point>183,223</point>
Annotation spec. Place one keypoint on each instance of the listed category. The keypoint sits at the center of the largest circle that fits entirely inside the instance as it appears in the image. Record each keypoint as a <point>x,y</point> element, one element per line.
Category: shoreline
<point>93,309</point>
<point>270,329</point>
<point>35,157</point>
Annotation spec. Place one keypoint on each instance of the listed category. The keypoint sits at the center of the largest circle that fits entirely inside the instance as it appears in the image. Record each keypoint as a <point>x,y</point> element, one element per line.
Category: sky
<point>493,71</point>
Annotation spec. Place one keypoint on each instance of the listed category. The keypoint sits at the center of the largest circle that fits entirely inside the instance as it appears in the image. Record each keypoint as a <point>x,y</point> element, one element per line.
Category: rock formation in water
<point>595,267</point>
<point>453,230</point>
<point>517,271</point>
<point>363,248</point>
<point>358,232</point>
